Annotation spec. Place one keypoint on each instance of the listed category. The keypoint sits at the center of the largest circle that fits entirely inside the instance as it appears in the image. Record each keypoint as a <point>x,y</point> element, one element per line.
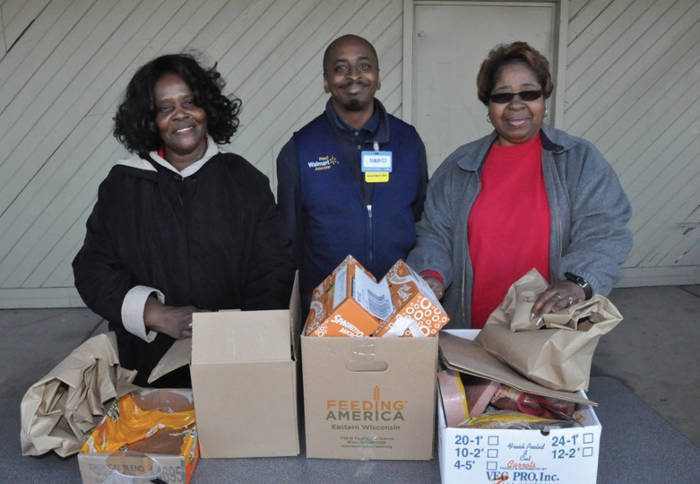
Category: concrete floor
<point>654,351</point>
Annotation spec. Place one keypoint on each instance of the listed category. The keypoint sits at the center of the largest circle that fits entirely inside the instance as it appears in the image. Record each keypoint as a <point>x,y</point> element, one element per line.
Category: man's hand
<point>556,297</point>
<point>175,321</point>
<point>435,284</point>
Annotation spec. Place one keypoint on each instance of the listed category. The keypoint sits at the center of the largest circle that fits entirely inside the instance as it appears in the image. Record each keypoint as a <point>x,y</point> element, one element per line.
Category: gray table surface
<point>637,446</point>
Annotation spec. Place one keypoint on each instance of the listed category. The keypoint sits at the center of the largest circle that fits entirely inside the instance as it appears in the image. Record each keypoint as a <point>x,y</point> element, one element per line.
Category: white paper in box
<point>507,456</point>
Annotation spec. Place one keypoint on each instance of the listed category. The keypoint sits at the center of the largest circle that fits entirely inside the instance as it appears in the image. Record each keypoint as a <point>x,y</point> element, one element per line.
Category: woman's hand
<point>175,321</point>
<point>556,297</point>
<point>435,284</point>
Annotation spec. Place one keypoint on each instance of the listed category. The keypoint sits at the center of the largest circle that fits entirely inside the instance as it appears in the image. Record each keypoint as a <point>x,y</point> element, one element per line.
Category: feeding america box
<point>369,398</point>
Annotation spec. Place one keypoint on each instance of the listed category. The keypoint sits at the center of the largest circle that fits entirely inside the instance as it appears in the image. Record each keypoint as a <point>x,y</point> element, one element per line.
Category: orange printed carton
<point>416,310</point>
<point>348,303</point>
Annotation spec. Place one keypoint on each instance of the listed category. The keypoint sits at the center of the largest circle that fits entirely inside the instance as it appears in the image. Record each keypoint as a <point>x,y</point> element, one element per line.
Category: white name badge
<point>376,161</point>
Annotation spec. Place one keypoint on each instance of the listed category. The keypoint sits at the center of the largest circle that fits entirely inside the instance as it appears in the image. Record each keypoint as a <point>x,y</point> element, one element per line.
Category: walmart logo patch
<point>323,163</point>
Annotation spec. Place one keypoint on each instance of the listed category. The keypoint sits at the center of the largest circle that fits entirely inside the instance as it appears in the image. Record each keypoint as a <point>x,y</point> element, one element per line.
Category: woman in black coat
<point>179,225</point>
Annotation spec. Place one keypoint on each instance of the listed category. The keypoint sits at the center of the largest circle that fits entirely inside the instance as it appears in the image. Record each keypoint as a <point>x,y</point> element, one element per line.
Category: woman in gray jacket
<point>525,196</point>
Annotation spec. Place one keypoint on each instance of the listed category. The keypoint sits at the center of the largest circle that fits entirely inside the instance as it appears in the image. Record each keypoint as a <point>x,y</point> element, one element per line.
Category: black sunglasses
<point>506,97</point>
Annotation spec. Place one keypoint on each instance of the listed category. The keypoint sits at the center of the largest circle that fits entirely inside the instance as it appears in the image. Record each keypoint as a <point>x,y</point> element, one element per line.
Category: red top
<point>508,224</point>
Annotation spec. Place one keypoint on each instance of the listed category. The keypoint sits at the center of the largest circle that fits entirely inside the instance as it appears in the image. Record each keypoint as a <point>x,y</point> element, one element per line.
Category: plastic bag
<point>127,425</point>
<point>505,419</point>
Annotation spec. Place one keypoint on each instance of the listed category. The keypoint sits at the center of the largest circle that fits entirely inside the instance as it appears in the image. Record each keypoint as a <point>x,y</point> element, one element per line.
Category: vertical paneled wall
<point>65,63</point>
<point>633,89</point>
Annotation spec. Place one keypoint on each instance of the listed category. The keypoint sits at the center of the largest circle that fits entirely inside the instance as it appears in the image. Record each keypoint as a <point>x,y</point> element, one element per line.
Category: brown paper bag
<point>60,410</point>
<point>516,307</point>
<point>555,351</point>
<point>179,354</point>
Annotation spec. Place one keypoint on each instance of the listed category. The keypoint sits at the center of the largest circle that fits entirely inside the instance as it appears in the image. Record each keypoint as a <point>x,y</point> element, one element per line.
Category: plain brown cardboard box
<point>369,398</point>
<point>244,380</point>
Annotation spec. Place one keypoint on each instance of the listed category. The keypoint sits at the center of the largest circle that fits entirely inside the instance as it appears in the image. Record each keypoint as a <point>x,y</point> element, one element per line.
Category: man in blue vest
<point>353,180</point>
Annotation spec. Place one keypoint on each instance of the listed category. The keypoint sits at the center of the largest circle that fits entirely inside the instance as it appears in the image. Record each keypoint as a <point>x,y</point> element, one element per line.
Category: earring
<point>546,113</point>
<point>488,118</point>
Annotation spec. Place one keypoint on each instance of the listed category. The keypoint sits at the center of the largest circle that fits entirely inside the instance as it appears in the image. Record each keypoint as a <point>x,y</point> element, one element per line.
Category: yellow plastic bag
<point>126,424</point>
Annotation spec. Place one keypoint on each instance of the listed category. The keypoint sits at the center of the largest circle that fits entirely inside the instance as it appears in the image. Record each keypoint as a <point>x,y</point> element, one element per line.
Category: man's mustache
<point>362,83</point>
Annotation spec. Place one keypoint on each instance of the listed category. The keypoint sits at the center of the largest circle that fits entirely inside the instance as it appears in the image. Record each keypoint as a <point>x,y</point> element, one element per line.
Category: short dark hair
<point>134,123</point>
<point>505,54</point>
<point>345,38</point>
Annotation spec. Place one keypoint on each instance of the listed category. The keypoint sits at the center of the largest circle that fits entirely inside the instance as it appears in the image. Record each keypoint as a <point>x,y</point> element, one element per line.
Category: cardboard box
<point>519,456</point>
<point>244,378</point>
<point>369,398</point>
<point>349,302</point>
<point>416,310</point>
<point>145,467</point>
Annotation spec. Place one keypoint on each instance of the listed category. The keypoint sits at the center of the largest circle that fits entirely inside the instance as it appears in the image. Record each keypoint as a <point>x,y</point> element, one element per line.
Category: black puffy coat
<point>212,240</point>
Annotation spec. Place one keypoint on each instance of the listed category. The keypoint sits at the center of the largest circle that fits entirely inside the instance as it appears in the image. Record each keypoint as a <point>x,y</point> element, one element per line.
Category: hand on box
<point>558,296</point>
<point>175,321</point>
<point>435,284</point>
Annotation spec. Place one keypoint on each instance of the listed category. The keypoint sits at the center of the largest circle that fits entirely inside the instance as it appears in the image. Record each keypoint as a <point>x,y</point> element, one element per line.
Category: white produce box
<point>504,456</point>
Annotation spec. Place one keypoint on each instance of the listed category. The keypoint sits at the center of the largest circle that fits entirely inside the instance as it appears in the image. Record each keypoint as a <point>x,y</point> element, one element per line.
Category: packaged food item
<point>126,424</point>
<point>511,399</point>
<point>148,434</point>
<point>505,419</point>
<point>479,393</point>
<point>463,396</point>
<point>349,302</point>
<point>454,398</point>
<point>416,311</point>
<point>477,402</point>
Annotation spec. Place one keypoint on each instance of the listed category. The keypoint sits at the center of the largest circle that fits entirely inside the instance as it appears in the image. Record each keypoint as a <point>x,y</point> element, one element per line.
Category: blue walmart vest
<point>336,221</point>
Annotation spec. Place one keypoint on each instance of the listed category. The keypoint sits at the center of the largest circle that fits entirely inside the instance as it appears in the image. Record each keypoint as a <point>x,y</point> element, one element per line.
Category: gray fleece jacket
<point>588,209</point>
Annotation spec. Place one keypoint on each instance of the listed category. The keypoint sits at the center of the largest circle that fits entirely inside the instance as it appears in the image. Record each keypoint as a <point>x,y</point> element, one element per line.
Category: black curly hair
<point>134,123</point>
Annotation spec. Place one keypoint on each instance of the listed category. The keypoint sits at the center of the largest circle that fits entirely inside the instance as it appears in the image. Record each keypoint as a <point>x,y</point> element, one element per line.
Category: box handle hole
<point>366,365</point>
